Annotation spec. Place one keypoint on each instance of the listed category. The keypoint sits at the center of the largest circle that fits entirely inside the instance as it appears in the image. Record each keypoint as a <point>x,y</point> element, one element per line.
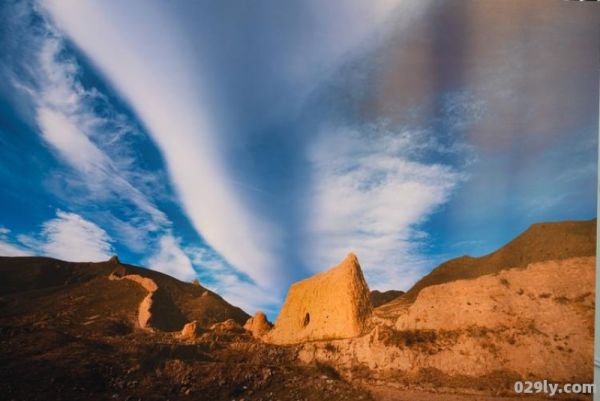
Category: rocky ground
<point>52,364</point>
<point>72,331</point>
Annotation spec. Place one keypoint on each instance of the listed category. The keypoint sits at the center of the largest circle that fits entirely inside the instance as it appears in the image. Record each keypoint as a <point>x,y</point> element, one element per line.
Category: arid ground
<point>467,331</point>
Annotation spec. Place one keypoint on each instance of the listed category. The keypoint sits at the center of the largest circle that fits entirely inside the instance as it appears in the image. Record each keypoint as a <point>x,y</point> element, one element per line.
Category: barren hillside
<point>466,331</point>
<point>524,312</point>
<point>379,298</point>
<point>30,285</point>
<point>540,242</point>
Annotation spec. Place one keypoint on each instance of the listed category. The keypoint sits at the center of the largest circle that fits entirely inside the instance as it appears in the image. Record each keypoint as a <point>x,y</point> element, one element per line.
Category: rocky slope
<point>536,322</point>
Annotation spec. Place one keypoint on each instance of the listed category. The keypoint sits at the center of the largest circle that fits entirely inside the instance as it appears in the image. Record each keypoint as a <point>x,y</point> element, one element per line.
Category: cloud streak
<point>161,84</point>
<point>373,187</point>
<point>65,114</point>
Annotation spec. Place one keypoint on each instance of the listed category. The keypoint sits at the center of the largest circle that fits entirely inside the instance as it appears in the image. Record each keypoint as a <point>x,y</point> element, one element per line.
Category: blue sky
<point>253,144</point>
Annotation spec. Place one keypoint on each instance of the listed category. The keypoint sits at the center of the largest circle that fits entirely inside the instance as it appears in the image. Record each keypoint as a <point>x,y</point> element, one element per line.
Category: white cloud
<point>66,117</point>
<point>171,259</point>
<point>161,82</point>
<point>59,131</point>
<point>68,236</point>
<point>71,237</point>
<point>8,249</point>
<point>371,192</point>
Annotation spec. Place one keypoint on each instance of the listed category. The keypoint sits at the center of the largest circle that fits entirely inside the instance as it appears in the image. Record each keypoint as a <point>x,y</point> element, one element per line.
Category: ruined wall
<point>333,304</point>
<point>145,308</point>
<point>258,325</point>
<point>535,322</point>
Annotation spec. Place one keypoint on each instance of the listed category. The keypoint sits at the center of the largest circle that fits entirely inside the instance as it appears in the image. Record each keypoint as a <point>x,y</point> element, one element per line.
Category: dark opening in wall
<point>306,319</point>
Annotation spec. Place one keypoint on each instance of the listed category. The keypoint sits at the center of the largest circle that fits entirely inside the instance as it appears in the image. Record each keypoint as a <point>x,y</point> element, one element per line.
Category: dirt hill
<point>521,324</point>
<point>39,287</point>
<point>540,242</point>
<point>379,298</point>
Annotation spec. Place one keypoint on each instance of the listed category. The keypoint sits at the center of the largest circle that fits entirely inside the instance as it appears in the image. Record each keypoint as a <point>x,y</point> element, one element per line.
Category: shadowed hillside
<point>379,298</point>
<point>30,284</point>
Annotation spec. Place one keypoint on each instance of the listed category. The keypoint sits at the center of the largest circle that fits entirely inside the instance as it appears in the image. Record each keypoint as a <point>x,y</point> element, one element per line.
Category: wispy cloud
<point>59,131</point>
<point>171,259</point>
<point>70,237</point>
<point>67,117</point>
<point>373,187</point>
<point>9,247</point>
<point>167,86</point>
<point>167,95</point>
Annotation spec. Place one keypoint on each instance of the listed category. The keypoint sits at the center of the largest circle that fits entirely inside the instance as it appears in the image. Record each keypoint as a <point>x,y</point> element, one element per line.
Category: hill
<point>379,298</point>
<point>531,323</point>
<point>36,288</point>
<point>540,242</point>
<point>524,312</point>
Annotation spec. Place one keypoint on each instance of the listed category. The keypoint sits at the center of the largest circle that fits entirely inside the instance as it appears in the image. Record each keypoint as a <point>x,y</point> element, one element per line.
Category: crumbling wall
<point>330,305</point>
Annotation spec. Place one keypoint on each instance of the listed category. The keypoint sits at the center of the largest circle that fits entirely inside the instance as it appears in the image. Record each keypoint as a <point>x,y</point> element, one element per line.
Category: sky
<point>252,144</point>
